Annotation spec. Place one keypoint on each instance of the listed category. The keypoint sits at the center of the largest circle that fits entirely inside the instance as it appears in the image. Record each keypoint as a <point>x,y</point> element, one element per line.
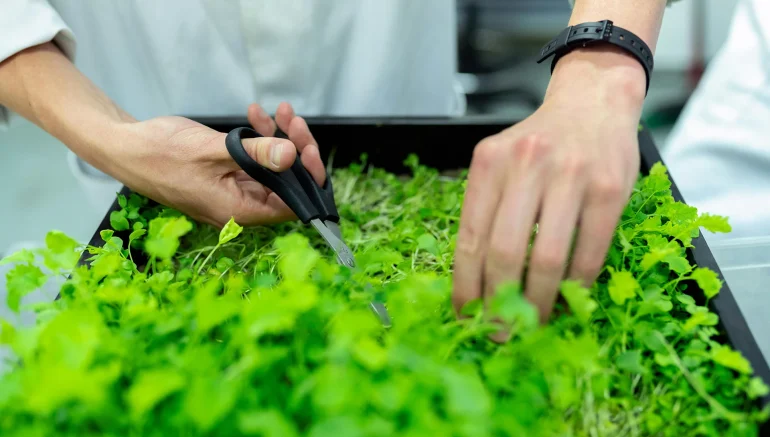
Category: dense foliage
<point>179,329</point>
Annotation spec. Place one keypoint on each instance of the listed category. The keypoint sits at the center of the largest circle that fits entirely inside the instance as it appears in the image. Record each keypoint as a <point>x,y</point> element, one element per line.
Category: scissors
<point>310,202</point>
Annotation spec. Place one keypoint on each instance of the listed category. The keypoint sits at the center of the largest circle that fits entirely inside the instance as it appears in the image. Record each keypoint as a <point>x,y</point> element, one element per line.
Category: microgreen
<point>178,328</point>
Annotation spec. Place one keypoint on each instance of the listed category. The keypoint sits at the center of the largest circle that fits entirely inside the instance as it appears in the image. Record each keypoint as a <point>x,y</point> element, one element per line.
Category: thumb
<point>275,154</point>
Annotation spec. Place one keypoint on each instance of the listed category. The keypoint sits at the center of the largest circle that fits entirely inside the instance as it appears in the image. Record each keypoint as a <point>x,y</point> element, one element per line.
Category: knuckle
<point>608,187</point>
<point>531,148</point>
<point>586,268</point>
<point>574,166</point>
<point>548,261</point>
<point>502,258</point>
<point>469,242</point>
<point>485,153</point>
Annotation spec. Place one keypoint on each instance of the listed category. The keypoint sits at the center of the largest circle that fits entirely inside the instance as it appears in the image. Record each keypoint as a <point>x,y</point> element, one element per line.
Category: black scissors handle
<point>295,186</point>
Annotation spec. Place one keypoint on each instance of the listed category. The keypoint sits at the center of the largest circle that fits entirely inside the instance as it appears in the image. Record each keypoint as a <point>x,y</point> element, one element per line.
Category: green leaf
<point>428,243</point>
<point>658,169</point>
<point>370,354</point>
<point>707,280</point>
<point>685,299</point>
<point>118,220</point>
<point>224,263</point>
<point>757,388</point>
<point>122,200</point>
<point>651,338</point>
<point>208,400</point>
<point>466,395</point>
<point>213,310</point>
<point>20,281</point>
<point>622,286</point>
<point>727,357</point>
<point>658,254</point>
<point>654,302</point>
<point>336,426</point>
<point>229,231</point>
<point>700,317</point>
<point>379,259</point>
<point>509,305</point>
<point>714,223</point>
<point>21,256</point>
<point>297,257</point>
<point>163,236</point>
<point>7,333</point>
<point>579,300</point>
<point>151,387</point>
<point>677,263</point>
<point>266,423</point>
<point>106,264</point>
<point>106,234</point>
<point>62,253</point>
<point>135,235</point>
<point>631,361</point>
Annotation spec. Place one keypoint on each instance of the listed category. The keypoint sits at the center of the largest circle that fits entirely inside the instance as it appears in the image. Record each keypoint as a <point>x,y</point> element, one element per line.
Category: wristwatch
<point>601,32</point>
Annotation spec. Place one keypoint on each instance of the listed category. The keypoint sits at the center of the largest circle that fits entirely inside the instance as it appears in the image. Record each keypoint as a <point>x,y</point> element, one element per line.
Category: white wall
<point>675,45</point>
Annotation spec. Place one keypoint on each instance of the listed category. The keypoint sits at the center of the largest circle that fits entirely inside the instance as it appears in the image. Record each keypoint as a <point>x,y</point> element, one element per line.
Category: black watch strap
<point>586,34</point>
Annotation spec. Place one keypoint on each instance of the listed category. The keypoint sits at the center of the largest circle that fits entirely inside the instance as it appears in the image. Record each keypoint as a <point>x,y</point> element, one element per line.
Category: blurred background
<point>497,44</point>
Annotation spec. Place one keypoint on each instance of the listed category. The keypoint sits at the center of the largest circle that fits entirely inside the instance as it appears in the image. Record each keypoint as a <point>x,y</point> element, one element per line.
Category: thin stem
<point>713,403</point>
<point>207,259</point>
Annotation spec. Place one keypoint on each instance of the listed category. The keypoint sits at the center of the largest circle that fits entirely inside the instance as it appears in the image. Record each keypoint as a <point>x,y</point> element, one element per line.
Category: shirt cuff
<point>25,24</point>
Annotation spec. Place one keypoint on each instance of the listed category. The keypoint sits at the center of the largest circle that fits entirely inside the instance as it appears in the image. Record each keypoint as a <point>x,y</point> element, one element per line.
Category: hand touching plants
<point>569,167</point>
<point>183,164</point>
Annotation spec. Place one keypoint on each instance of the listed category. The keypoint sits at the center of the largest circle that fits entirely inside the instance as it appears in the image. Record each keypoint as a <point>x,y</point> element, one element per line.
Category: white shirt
<point>215,57</point>
<point>719,156</point>
<point>719,151</point>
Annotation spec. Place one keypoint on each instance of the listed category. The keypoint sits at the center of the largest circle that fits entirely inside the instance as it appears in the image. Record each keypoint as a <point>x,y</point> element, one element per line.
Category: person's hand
<point>185,165</point>
<point>569,167</point>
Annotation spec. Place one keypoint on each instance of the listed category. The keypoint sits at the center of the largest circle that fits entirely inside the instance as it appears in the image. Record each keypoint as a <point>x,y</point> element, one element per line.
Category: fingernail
<point>275,154</point>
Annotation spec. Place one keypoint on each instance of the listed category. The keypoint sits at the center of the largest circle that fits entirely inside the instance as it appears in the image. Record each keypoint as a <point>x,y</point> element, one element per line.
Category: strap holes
<point>585,30</point>
<point>598,30</point>
<point>623,37</point>
<point>574,32</point>
<point>633,43</point>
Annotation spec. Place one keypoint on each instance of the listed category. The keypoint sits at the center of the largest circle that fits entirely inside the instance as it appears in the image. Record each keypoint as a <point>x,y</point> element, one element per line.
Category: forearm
<point>612,66</point>
<point>43,86</point>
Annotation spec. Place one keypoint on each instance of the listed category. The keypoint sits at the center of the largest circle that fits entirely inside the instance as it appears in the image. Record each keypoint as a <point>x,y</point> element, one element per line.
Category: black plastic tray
<point>447,144</point>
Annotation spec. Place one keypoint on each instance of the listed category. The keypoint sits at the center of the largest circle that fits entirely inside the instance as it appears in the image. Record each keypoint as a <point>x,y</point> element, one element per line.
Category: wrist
<point>610,72</point>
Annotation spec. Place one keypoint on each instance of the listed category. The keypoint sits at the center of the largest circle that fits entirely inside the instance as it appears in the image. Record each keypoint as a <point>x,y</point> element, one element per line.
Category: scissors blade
<point>344,255</point>
<point>330,232</point>
<point>334,227</point>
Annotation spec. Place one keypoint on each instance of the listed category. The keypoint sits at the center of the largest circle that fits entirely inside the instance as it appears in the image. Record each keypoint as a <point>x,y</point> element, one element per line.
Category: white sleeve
<point>27,23</point>
<point>572,2</point>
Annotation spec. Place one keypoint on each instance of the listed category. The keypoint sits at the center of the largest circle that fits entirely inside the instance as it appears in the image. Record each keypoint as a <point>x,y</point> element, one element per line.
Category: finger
<point>299,133</point>
<point>512,227</point>
<point>311,159</point>
<point>275,154</point>
<point>558,218</point>
<point>604,205</point>
<point>261,120</point>
<point>259,208</point>
<point>478,211</point>
<point>283,116</point>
